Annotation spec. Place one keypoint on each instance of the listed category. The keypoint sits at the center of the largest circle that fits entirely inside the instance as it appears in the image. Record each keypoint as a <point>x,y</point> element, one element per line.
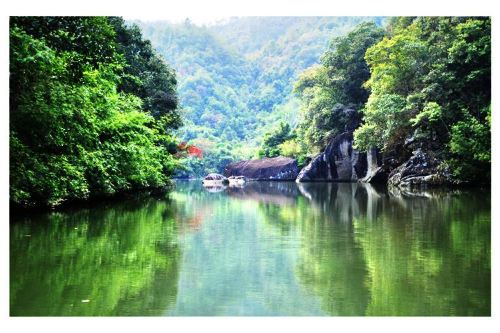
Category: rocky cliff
<point>339,162</point>
<point>423,168</point>
<point>276,168</point>
<point>376,171</point>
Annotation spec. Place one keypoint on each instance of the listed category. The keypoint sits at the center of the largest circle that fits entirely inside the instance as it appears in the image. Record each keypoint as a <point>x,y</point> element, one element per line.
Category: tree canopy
<point>422,82</point>
<point>75,130</point>
<point>431,80</point>
<point>332,92</point>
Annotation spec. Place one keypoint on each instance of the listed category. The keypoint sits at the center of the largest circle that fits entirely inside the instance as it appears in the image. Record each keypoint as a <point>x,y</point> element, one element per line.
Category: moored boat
<point>237,180</point>
<point>215,179</point>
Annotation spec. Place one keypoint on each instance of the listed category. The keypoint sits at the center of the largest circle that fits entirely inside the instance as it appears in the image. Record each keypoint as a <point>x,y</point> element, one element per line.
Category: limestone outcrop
<point>338,162</point>
<point>421,169</point>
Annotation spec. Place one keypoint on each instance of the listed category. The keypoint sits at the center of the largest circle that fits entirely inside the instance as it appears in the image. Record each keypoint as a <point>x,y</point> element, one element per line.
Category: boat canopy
<point>214,176</point>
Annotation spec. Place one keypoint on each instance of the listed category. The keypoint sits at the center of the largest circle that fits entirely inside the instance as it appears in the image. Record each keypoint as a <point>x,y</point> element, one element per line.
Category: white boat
<point>237,180</point>
<point>214,179</point>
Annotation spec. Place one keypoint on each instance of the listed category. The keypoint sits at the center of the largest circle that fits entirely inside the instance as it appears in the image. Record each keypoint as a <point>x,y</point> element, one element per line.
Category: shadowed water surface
<point>268,248</point>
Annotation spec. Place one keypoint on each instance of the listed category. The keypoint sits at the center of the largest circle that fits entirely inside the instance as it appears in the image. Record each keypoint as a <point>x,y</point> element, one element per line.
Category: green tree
<point>325,90</point>
<point>146,74</point>
<point>345,63</point>
<point>430,80</point>
<point>85,41</point>
<point>73,135</point>
<point>272,141</point>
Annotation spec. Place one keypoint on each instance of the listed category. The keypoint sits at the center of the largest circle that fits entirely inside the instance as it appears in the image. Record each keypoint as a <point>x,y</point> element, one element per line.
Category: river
<point>269,248</point>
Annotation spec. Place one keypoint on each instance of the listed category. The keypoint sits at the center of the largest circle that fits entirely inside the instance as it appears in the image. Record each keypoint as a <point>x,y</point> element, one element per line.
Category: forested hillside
<point>236,78</point>
<point>430,87</point>
<point>97,109</point>
<point>92,110</point>
<point>421,84</point>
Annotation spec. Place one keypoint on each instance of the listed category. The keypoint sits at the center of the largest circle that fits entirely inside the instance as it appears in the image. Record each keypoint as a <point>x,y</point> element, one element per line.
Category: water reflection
<point>371,252</point>
<point>234,264</point>
<point>267,248</point>
<point>331,263</point>
<point>119,259</point>
<point>279,193</point>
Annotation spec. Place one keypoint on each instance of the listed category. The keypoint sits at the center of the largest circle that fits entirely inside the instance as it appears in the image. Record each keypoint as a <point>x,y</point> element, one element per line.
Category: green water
<point>270,248</point>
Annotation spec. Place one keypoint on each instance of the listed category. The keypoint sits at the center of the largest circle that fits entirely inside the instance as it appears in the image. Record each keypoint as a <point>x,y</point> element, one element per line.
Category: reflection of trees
<point>429,256</point>
<point>277,200</point>
<point>359,249</point>
<point>233,265</point>
<point>368,252</point>
<point>364,250</point>
<point>331,264</point>
<point>123,259</point>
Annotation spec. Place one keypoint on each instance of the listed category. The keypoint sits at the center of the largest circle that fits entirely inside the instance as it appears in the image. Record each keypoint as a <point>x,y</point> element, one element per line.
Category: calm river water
<point>270,248</point>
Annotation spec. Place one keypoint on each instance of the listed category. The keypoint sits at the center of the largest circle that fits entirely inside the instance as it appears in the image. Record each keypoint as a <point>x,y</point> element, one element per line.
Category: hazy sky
<point>199,20</point>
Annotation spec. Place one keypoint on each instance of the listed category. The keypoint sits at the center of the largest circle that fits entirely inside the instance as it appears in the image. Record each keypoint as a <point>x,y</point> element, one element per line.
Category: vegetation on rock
<point>422,83</point>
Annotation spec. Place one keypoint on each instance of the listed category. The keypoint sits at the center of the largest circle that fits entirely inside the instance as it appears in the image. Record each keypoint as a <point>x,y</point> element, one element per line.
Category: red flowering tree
<point>185,149</point>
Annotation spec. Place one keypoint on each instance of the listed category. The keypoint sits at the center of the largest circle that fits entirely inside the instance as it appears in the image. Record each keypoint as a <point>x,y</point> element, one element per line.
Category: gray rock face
<point>339,162</point>
<point>276,168</point>
<point>376,172</point>
<point>422,169</point>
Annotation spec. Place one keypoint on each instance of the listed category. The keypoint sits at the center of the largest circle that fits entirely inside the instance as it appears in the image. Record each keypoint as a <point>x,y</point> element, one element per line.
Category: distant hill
<point>236,78</point>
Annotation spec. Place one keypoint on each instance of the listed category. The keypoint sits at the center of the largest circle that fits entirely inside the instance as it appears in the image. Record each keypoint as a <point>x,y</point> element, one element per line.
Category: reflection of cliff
<point>428,256</point>
<point>343,201</point>
<point>116,260</point>
<point>367,251</point>
<point>331,264</point>
<point>280,193</point>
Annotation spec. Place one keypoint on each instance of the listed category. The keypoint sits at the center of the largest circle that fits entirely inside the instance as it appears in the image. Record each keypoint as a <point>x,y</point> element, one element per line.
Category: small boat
<point>215,179</point>
<point>237,180</point>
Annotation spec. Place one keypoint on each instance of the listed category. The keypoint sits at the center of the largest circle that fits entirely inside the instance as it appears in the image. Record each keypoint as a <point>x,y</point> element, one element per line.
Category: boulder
<point>339,162</point>
<point>375,171</point>
<point>421,169</point>
<point>276,168</point>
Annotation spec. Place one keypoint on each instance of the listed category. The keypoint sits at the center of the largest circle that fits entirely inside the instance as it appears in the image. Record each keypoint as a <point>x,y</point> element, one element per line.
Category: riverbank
<point>71,204</point>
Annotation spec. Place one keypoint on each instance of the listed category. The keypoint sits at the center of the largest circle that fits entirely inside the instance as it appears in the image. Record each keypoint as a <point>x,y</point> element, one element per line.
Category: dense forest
<point>92,110</point>
<point>419,83</point>
<point>96,108</point>
<point>236,78</point>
